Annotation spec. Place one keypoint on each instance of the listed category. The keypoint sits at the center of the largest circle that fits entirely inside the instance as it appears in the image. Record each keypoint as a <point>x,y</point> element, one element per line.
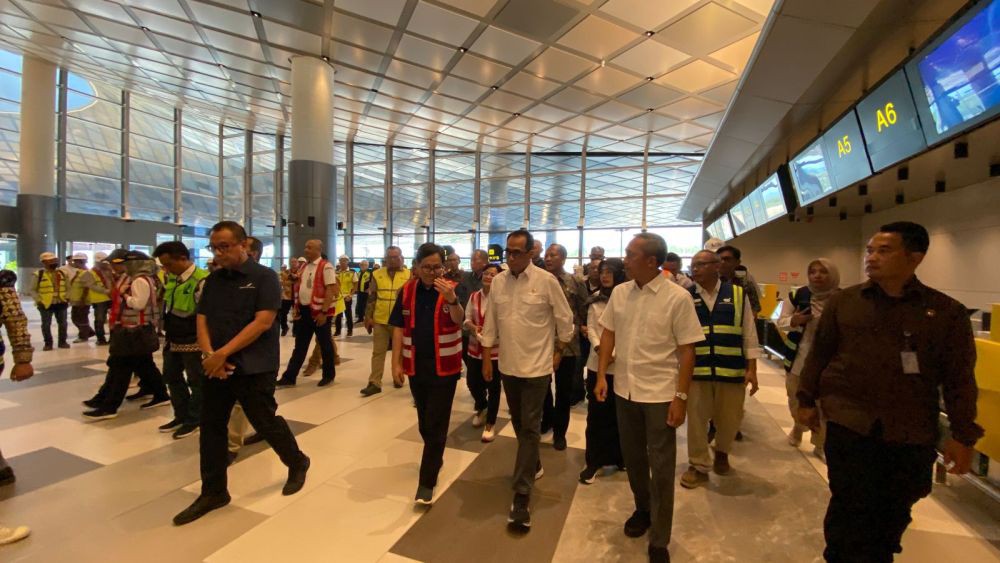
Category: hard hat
<point>46,256</point>
<point>79,256</point>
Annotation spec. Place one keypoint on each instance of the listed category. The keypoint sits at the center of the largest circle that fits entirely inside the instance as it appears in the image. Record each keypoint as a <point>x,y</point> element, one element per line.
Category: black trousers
<point>101,319</point>
<point>556,413</point>
<point>603,444</point>
<point>59,312</point>
<point>286,306</point>
<point>185,394</point>
<point>350,320</point>
<point>486,394</point>
<point>305,328</point>
<point>359,308</point>
<point>255,393</point>
<point>580,389</point>
<point>874,484</point>
<point>80,315</point>
<point>120,370</point>
<point>434,396</point>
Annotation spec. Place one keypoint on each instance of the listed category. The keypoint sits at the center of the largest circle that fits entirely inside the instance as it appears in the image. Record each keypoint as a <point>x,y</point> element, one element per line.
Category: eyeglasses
<point>221,248</point>
<point>514,252</point>
<point>697,265</point>
<point>433,268</point>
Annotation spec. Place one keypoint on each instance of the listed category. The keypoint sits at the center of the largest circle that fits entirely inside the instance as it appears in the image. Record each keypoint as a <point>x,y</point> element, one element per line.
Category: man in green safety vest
<point>182,291</point>
<point>79,297</point>
<point>49,289</point>
<point>725,362</point>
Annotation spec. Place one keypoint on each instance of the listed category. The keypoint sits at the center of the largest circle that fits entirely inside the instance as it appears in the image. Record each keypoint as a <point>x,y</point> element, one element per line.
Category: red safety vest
<point>318,292</point>
<point>447,334</point>
<point>479,318</point>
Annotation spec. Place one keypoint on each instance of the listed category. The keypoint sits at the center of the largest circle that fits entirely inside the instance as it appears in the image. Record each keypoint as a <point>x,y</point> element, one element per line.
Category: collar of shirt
<point>912,289</point>
<point>654,284</point>
<point>316,261</point>
<point>529,272</point>
<point>186,275</point>
<point>713,291</point>
<point>241,269</point>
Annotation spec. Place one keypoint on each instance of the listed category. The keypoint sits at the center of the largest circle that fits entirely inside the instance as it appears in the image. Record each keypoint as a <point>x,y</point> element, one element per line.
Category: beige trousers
<point>721,403</point>
<point>381,335</point>
<point>238,427</point>
<point>791,388</point>
<point>316,359</point>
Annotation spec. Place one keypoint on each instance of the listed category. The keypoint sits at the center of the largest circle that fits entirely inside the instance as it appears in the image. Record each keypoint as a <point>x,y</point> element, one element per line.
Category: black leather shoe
<point>200,507</point>
<point>637,524</point>
<point>559,443</point>
<point>285,383</point>
<point>324,382</point>
<point>253,439</point>
<point>296,478</point>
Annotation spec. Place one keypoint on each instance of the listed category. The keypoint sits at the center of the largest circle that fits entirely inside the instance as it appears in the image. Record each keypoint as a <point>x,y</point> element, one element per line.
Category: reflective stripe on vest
<point>346,280</point>
<point>44,284</point>
<point>179,298</point>
<point>720,356</point>
<point>447,335</point>
<point>801,299</point>
<point>77,291</point>
<point>479,319</point>
<point>129,317</point>
<point>388,288</point>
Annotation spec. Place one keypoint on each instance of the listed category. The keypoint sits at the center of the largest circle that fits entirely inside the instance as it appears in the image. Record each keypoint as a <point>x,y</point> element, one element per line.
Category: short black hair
<point>233,227</point>
<point>393,247</point>
<point>732,250</point>
<point>672,257</point>
<point>655,246</point>
<point>529,240</point>
<point>256,246</point>
<point>428,249</point>
<point>493,266</point>
<point>560,249</point>
<point>172,248</point>
<point>448,249</point>
<point>914,235</point>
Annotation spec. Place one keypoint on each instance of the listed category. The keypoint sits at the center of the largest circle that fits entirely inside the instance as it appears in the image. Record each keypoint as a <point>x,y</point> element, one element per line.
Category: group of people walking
<point>658,348</point>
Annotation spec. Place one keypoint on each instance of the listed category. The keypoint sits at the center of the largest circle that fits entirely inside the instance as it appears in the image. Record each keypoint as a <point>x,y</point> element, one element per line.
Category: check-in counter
<point>988,380</point>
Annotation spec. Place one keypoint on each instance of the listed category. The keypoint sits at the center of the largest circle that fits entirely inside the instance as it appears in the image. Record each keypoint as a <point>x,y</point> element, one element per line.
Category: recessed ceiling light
<point>649,109</point>
<point>374,90</point>
<point>144,28</point>
<point>222,65</point>
<point>517,114</point>
<point>494,88</point>
<point>649,79</point>
<point>326,58</point>
<point>462,49</point>
<point>255,14</point>
<point>602,63</point>
<point>650,33</point>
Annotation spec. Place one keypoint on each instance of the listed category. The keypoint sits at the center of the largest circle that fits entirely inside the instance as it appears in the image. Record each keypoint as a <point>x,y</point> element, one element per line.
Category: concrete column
<point>312,178</point>
<point>36,199</point>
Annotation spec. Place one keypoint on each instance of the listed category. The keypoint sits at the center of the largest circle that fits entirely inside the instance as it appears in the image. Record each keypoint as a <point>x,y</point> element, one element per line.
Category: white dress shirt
<point>306,279</point>
<point>594,331</point>
<point>140,292</point>
<point>751,348</point>
<point>649,324</point>
<point>524,315</point>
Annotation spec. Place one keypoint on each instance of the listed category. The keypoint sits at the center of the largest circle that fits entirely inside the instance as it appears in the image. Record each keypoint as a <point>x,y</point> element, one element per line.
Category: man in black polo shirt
<point>239,342</point>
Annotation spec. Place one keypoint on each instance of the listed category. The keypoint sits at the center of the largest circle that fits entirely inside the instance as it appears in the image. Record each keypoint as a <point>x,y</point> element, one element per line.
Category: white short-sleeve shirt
<point>649,324</point>
<point>306,279</point>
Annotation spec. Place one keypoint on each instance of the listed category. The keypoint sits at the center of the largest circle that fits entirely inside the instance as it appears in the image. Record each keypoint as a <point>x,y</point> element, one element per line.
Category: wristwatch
<point>681,396</point>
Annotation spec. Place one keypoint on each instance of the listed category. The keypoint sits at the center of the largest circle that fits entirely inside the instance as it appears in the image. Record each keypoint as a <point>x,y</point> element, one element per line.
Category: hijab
<point>820,295</point>
<point>617,268</point>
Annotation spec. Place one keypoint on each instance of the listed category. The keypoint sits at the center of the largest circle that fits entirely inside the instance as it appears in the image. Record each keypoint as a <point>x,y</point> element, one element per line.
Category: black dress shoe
<point>559,443</point>
<point>284,383</point>
<point>92,403</point>
<point>324,382</point>
<point>138,395</point>
<point>7,476</point>
<point>637,524</point>
<point>296,477</point>
<point>200,507</point>
<point>253,439</point>
<point>64,345</point>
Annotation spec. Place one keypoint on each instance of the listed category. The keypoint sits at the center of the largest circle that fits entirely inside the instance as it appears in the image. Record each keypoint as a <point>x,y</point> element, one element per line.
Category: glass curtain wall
<point>10,126</point>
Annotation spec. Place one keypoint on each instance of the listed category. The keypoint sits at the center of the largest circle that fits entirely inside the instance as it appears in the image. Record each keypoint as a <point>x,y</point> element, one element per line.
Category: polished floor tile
<point>42,468</point>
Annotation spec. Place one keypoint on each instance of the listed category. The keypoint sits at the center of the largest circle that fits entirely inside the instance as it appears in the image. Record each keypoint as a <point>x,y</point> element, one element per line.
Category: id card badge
<point>910,364</point>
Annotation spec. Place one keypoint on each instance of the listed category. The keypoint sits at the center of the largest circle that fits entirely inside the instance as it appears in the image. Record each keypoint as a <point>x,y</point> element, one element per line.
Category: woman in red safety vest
<point>485,393</point>
<point>427,348</point>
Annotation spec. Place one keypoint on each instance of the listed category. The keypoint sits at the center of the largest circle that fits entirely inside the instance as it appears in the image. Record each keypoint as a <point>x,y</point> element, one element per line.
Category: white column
<point>312,110</point>
<point>38,127</point>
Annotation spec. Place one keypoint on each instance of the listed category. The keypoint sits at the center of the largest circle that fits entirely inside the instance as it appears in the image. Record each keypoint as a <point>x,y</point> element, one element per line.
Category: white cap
<point>301,259</point>
<point>344,257</point>
<point>47,256</point>
<point>714,244</point>
<point>79,256</point>
<point>100,256</point>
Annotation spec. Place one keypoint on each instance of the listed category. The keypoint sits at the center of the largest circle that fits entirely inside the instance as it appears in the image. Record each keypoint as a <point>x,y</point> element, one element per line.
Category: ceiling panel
<point>646,14</point>
<point>480,70</point>
<point>598,37</point>
<point>608,81</point>
<point>695,77</point>
<point>427,53</point>
<point>503,46</point>
<point>556,64</point>
<point>707,29</point>
<point>650,58</point>
<point>385,11</point>
<point>441,24</point>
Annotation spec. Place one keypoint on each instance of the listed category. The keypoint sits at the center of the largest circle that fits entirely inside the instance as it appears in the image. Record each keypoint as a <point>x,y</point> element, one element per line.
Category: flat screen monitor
<point>810,174</point>
<point>890,123</point>
<point>772,199</point>
<point>846,159</point>
<point>956,78</point>
<point>740,222</point>
<point>764,204</point>
<point>721,229</point>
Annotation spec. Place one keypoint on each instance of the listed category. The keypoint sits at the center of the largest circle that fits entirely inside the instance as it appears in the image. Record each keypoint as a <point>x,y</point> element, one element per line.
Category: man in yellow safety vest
<point>49,289</point>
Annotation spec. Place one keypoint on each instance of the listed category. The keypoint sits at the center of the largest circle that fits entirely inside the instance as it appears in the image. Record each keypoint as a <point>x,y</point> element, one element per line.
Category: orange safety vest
<point>447,335</point>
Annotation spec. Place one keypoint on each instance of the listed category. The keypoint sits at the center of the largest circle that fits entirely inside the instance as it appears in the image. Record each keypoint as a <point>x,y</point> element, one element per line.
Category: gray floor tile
<point>42,468</point>
<point>461,434</point>
<point>495,464</point>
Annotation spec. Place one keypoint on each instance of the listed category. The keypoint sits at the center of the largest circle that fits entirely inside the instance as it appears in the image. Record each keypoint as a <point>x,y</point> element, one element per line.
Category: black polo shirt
<point>423,326</point>
<point>230,300</point>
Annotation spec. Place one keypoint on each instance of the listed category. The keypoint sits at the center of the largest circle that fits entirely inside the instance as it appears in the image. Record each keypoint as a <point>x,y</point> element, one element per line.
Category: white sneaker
<point>795,437</point>
<point>489,434</point>
<point>479,419</point>
<point>11,535</point>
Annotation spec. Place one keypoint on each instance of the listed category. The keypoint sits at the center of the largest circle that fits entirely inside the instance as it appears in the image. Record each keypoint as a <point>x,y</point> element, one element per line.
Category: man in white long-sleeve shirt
<point>134,309</point>
<point>527,316</point>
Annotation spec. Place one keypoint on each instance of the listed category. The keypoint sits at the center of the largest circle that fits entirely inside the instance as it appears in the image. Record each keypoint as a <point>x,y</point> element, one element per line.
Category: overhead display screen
<point>890,124</point>
<point>833,162</point>
<point>760,206</point>
<point>956,79</point>
<point>721,229</point>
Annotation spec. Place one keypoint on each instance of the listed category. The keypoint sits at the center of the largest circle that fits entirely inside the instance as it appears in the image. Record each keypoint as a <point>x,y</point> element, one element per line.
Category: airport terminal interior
<point>753,137</point>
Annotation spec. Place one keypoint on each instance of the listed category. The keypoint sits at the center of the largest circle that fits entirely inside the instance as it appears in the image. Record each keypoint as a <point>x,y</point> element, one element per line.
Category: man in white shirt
<point>672,271</point>
<point>526,317</point>
<point>650,327</point>
<point>725,363</point>
<point>313,300</point>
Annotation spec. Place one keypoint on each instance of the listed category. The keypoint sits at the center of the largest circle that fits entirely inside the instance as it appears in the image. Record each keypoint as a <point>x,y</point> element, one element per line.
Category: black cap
<point>136,255</point>
<point>117,256</point>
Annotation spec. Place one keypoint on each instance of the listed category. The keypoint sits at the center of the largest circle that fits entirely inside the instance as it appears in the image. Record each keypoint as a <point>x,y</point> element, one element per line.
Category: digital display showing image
<point>890,124</point>
<point>810,174</point>
<point>772,198</point>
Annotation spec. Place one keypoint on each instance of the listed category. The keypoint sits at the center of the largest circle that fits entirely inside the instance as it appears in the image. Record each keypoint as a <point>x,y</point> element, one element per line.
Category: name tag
<point>910,364</point>
<point>406,312</point>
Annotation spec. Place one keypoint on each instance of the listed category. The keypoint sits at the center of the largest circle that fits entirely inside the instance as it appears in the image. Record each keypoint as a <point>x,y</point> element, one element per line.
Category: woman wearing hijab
<point>799,317</point>
<point>603,447</point>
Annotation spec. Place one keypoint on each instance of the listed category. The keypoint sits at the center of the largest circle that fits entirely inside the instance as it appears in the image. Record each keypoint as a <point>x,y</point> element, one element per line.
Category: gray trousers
<point>649,446</point>
<point>526,398</point>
